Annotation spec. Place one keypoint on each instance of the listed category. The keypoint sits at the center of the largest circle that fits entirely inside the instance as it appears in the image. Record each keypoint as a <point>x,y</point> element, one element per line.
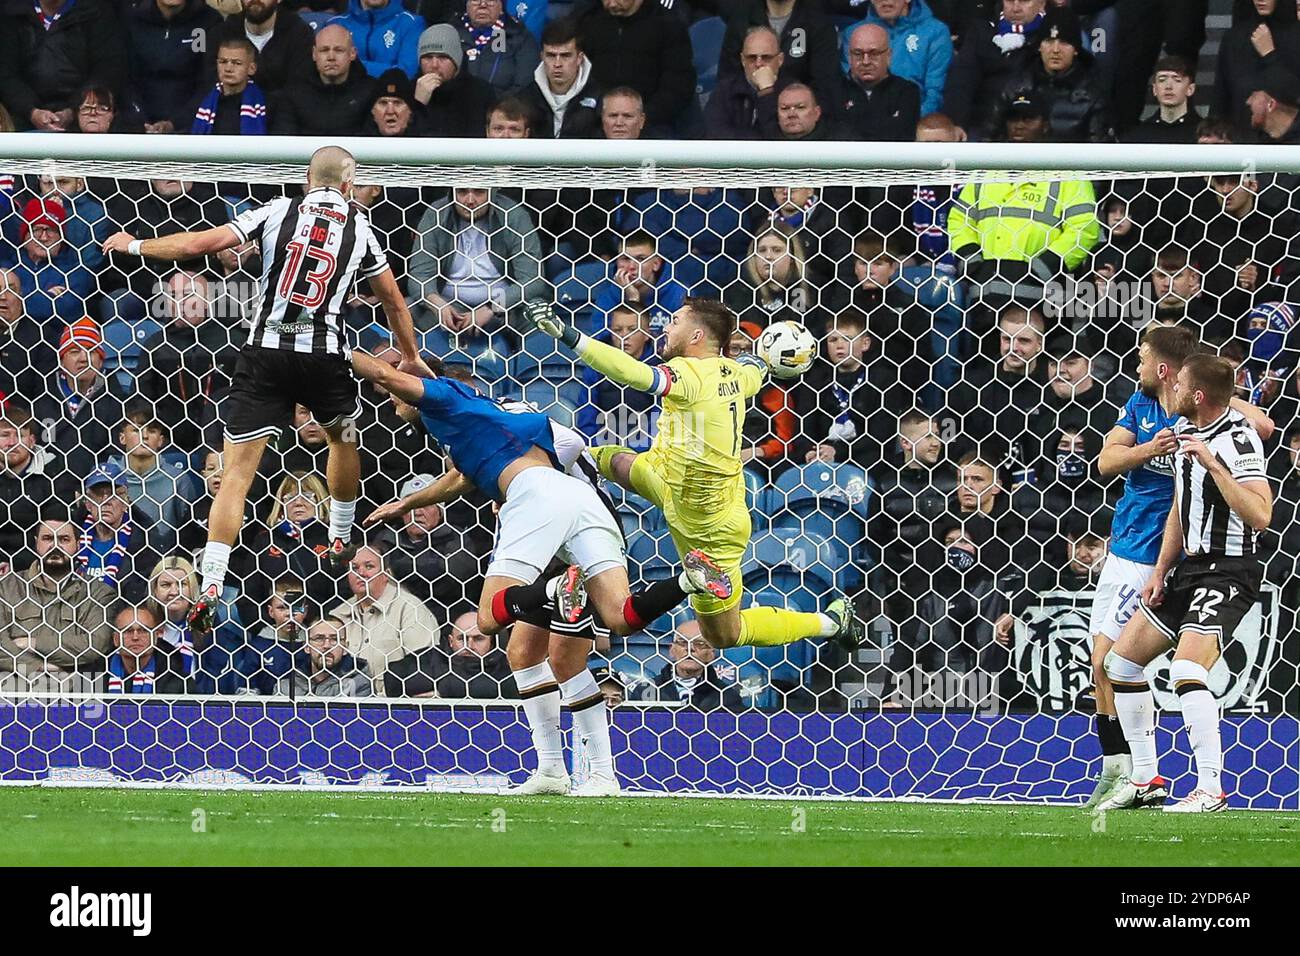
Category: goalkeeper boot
<point>849,632</point>
<point>1136,796</point>
<point>203,613</point>
<point>598,785</point>
<point>540,784</point>
<point>341,554</point>
<point>706,575</point>
<point>1199,800</point>
<point>1115,770</point>
<point>571,595</point>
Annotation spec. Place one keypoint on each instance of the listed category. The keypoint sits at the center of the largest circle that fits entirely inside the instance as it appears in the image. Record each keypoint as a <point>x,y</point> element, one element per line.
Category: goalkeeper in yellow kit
<point>692,471</point>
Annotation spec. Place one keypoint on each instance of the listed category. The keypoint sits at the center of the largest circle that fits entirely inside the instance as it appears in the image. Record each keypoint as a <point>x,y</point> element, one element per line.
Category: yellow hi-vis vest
<point>1020,221</point>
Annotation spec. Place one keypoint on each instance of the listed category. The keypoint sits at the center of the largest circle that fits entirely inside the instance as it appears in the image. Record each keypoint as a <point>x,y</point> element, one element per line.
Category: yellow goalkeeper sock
<point>771,626</point>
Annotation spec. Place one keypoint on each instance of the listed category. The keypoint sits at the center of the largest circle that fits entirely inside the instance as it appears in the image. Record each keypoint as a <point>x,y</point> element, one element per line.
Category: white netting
<point>972,682</point>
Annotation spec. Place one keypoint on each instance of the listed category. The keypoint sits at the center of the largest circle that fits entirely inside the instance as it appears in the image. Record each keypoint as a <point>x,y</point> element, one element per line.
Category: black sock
<point>644,606</point>
<point>1121,742</point>
<point>1111,736</point>
<point>523,602</point>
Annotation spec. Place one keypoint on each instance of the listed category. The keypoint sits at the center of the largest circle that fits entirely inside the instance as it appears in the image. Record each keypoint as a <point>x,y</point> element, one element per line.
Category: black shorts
<point>267,383</point>
<point>1209,595</point>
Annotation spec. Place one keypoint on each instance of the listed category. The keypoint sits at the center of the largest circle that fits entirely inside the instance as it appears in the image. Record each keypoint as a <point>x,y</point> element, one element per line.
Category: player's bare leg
<point>1138,645</point>
<point>1190,675</point>
<point>1116,763</point>
<point>239,463</point>
<point>343,477</point>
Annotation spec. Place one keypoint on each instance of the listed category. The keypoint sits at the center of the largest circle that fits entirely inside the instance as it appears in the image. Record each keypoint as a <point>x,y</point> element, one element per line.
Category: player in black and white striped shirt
<point>313,250</point>
<point>1222,500</point>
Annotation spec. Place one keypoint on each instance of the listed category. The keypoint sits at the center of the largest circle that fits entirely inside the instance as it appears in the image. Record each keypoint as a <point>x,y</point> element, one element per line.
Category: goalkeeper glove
<point>542,316</point>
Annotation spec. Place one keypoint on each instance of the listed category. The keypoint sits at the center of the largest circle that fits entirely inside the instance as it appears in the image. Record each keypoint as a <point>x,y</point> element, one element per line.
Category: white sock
<point>216,558</point>
<point>1137,717</point>
<point>684,582</point>
<point>590,722</point>
<point>829,625</point>
<point>342,514</point>
<point>1201,718</point>
<point>543,714</point>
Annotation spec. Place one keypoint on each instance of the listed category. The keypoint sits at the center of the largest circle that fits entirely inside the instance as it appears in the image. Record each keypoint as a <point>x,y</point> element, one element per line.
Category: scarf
<point>1011,36</point>
<point>48,22</point>
<point>113,560</point>
<point>178,636</point>
<point>289,529</point>
<point>482,35</point>
<point>795,220</point>
<point>844,428</point>
<point>252,112</point>
<point>141,680</point>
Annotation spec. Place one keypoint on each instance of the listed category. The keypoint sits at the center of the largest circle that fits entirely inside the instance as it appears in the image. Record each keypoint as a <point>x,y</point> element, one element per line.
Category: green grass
<point>155,827</point>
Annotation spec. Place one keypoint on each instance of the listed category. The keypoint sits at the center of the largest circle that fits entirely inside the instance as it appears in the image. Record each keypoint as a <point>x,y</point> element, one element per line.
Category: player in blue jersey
<point>1141,447</point>
<point>510,456</point>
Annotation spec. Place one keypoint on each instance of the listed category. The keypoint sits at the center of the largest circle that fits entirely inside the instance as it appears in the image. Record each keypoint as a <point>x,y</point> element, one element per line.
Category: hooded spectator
<point>385,35</point>
<point>564,99</point>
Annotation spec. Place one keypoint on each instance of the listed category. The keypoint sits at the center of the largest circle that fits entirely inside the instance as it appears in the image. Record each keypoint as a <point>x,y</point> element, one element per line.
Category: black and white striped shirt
<point>313,250</point>
<point>1209,525</point>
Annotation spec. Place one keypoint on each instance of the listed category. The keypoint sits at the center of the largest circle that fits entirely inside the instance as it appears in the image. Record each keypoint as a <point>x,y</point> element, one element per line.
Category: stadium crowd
<point>978,342</point>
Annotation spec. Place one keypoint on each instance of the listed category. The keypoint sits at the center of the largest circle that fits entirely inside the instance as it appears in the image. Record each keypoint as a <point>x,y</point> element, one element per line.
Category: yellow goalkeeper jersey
<point>696,450</point>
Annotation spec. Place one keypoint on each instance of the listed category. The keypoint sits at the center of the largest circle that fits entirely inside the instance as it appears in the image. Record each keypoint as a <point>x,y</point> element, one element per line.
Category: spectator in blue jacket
<point>385,35</point>
<point>86,227</point>
<point>920,43</point>
<point>615,414</point>
<point>698,230</point>
<point>54,282</point>
<point>168,59</point>
<point>639,276</point>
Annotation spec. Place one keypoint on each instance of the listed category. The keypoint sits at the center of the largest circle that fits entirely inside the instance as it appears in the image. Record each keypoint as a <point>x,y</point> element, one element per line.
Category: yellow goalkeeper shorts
<point>723,535</point>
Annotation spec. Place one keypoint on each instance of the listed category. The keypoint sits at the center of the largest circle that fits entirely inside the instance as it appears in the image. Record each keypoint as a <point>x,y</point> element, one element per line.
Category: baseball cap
<point>83,334</point>
<point>37,211</point>
<point>416,483</point>
<point>443,39</point>
<point>1027,103</point>
<point>109,473</point>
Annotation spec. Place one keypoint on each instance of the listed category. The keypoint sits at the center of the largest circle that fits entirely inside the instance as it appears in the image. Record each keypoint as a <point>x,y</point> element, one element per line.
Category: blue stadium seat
<point>706,41</point>
<point>650,557</point>
<point>790,558</point>
<point>754,488</point>
<point>829,501</point>
<point>122,342</point>
<point>575,289</point>
<point>540,356</point>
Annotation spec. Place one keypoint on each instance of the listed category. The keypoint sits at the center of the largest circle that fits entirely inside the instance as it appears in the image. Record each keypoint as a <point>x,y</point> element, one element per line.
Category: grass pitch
<point>85,827</point>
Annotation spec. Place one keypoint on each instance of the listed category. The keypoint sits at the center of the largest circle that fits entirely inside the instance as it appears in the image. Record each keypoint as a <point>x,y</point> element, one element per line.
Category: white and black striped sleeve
<point>249,223</point>
<point>1244,457</point>
<point>373,259</point>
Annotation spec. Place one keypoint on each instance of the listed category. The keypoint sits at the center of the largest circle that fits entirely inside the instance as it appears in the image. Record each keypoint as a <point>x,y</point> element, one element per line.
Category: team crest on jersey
<point>389,38</point>
<point>913,43</point>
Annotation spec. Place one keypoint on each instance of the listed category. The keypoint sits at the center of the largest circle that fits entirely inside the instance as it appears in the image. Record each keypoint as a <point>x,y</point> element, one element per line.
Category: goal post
<point>938,463</point>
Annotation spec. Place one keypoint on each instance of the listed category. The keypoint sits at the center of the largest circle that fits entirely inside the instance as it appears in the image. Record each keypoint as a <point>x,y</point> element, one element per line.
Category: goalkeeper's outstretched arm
<point>614,364</point>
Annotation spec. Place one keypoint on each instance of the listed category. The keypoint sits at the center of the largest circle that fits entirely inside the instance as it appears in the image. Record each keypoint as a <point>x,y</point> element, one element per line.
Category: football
<point>788,348</point>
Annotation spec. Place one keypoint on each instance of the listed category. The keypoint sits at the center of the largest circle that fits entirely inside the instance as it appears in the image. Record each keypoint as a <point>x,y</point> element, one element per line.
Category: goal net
<point>978,308</point>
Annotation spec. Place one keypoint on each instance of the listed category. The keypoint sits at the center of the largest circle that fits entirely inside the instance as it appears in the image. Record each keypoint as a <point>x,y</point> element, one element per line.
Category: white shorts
<point>547,513</point>
<point>1119,592</point>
